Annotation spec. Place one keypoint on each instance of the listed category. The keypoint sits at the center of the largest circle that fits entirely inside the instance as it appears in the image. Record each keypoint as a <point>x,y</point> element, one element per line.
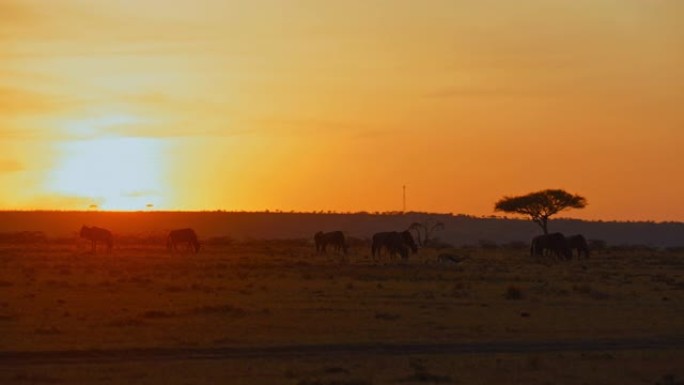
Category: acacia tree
<point>539,206</point>
<point>425,229</point>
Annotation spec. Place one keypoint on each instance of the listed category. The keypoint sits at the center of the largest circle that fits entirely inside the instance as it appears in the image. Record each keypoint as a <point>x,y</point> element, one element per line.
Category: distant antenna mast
<point>403,210</point>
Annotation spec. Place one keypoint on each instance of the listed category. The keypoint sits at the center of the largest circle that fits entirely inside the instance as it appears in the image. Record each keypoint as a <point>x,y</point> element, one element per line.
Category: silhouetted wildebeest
<point>187,236</point>
<point>579,243</point>
<point>95,234</point>
<point>554,243</point>
<point>395,243</point>
<point>333,238</point>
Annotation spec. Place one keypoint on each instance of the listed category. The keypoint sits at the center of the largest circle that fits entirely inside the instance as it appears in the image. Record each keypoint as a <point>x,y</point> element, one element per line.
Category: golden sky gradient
<point>334,105</point>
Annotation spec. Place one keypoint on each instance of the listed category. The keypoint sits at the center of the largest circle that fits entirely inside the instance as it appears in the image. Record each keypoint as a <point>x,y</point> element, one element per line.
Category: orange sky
<point>334,105</point>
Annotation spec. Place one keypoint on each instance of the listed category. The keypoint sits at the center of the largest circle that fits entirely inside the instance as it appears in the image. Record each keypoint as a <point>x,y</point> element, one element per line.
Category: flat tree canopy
<point>539,206</point>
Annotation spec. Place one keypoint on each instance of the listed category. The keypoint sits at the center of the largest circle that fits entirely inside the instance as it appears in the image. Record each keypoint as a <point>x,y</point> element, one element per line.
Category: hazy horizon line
<point>332,212</point>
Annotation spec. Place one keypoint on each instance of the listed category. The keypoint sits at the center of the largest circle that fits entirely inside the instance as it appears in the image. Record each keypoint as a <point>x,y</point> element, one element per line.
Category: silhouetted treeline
<point>226,227</point>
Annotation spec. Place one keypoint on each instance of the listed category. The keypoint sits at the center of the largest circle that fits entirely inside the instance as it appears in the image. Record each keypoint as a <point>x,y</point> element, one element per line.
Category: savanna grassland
<point>274,312</point>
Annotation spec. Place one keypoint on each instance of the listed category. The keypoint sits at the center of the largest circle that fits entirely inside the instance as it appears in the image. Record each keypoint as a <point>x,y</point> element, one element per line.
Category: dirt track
<point>170,354</point>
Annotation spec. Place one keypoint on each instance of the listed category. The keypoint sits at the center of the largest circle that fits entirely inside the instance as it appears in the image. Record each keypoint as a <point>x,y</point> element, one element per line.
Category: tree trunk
<point>545,225</point>
<point>419,236</point>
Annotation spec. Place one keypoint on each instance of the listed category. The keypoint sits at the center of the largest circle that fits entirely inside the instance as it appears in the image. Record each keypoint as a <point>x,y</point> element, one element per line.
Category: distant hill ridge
<point>459,229</point>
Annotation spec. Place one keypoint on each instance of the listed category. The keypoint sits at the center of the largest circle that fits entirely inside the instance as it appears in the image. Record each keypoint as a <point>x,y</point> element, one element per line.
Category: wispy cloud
<point>18,101</point>
<point>134,126</point>
<point>160,131</point>
<point>140,194</point>
<point>14,13</point>
<point>484,91</point>
<point>21,111</point>
<point>9,165</point>
<point>63,202</point>
<point>52,29</point>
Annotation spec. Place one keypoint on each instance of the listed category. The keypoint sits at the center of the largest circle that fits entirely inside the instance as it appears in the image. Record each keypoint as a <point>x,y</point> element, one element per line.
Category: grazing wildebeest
<point>187,236</point>
<point>554,243</point>
<point>395,243</point>
<point>95,234</point>
<point>334,238</point>
<point>579,243</point>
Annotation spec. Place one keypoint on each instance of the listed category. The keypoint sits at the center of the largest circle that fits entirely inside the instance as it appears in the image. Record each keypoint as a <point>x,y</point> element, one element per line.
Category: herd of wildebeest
<point>393,242</point>
<point>185,236</point>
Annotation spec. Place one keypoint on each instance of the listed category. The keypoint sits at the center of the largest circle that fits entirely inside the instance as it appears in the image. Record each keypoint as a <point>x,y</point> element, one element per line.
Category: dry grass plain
<point>142,315</point>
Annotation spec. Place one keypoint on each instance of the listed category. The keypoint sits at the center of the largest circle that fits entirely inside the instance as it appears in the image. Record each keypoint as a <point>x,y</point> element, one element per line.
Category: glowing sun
<point>112,173</point>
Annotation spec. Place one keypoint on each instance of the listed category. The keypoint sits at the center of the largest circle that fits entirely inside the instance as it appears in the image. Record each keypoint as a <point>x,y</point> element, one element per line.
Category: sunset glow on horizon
<point>336,105</point>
